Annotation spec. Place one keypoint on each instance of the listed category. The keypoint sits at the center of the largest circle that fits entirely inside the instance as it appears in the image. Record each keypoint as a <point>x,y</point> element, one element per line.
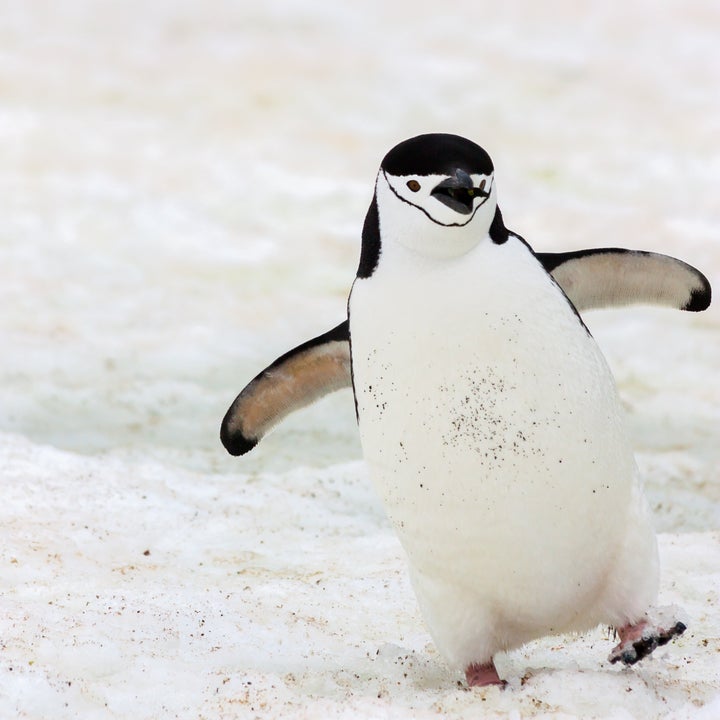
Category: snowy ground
<point>181,191</point>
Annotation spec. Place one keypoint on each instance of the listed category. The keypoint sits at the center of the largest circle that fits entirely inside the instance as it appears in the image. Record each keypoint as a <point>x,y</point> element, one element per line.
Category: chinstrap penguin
<point>488,417</point>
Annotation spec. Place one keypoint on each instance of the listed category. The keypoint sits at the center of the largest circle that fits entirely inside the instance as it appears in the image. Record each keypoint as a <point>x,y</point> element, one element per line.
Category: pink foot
<point>639,640</point>
<point>477,675</point>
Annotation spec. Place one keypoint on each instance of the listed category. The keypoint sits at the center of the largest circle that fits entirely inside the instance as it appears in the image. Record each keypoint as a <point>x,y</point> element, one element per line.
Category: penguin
<point>488,417</point>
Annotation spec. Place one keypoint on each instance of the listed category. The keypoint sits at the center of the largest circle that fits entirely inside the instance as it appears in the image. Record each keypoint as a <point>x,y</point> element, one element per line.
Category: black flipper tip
<point>699,298</point>
<point>235,442</point>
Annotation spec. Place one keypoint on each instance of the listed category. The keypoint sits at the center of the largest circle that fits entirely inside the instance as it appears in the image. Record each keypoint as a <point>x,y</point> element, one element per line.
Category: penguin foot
<point>477,675</point>
<point>639,640</point>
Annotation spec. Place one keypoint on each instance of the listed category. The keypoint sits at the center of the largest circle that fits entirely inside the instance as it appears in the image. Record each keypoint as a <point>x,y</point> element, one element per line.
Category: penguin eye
<point>414,185</point>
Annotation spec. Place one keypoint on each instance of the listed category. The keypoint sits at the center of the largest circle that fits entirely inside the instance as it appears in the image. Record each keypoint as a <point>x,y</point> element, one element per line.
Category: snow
<point>182,187</point>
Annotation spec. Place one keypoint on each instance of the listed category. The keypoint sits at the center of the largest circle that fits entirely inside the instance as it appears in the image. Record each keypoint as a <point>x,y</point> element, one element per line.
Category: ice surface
<point>182,187</point>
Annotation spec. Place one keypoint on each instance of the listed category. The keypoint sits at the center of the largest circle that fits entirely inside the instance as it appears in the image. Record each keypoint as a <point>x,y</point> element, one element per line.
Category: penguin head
<point>436,195</point>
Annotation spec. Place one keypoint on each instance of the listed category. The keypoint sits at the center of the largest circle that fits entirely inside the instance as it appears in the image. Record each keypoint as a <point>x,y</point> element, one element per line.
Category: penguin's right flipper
<point>296,379</point>
<point>613,277</point>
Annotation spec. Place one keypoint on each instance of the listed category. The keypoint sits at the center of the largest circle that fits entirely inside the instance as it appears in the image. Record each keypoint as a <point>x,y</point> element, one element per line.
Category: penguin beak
<point>458,192</point>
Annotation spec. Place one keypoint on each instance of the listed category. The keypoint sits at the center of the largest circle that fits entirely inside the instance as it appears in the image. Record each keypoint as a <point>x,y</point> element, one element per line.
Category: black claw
<point>644,647</point>
<point>629,657</point>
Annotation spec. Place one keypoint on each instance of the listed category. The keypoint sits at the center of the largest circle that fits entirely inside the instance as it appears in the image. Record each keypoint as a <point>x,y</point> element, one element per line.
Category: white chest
<point>488,416</point>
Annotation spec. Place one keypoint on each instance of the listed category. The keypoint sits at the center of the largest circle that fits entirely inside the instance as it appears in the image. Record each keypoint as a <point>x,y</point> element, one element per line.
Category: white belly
<point>491,426</point>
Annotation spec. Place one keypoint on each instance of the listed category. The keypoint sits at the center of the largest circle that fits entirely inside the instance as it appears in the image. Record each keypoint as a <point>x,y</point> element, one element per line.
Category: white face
<point>449,206</point>
<point>440,216</point>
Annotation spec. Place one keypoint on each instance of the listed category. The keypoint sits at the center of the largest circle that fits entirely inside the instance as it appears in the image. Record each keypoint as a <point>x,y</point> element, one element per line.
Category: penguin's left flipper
<point>612,277</point>
<point>601,278</point>
<point>296,379</point>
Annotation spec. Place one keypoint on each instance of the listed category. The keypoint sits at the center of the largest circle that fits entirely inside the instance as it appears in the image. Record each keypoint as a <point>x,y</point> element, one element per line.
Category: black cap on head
<point>437,154</point>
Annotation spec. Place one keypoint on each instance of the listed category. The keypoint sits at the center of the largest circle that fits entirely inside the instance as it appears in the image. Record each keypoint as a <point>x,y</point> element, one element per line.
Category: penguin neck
<point>370,248</point>
<point>374,245</point>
